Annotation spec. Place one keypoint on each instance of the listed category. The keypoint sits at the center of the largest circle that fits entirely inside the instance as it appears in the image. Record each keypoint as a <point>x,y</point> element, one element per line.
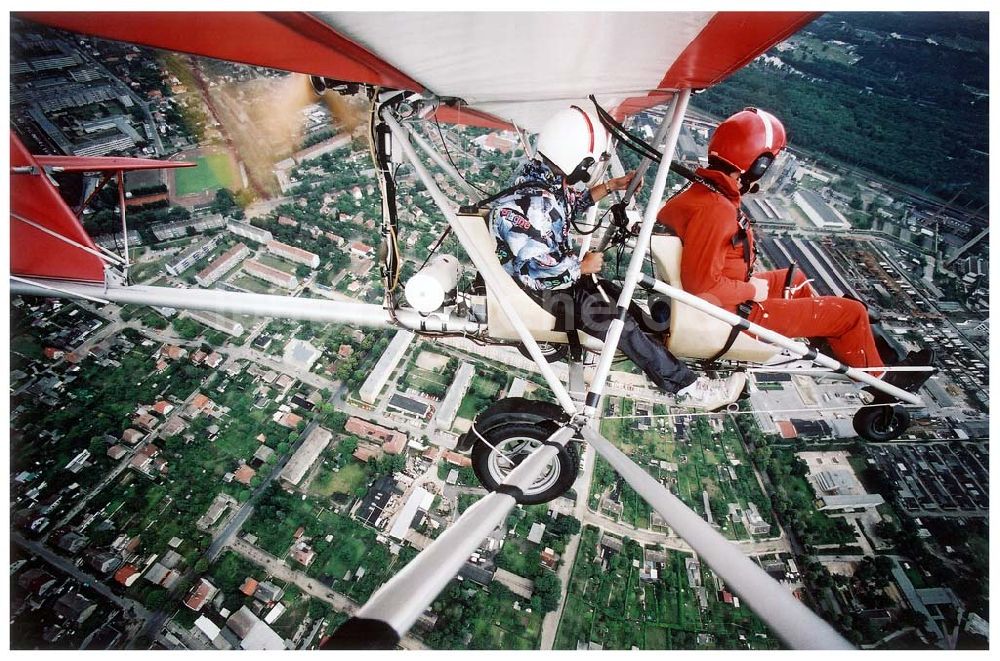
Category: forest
<point>909,103</point>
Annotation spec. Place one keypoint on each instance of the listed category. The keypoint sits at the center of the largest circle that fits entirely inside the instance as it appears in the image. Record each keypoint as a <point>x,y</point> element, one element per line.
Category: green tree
<point>547,589</point>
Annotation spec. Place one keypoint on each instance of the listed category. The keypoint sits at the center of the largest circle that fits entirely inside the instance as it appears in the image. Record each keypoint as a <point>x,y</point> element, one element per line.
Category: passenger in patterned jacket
<point>531,227</point>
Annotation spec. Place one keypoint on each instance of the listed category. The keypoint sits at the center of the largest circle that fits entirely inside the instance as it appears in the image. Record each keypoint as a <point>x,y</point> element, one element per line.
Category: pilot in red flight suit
<point>719,253</point>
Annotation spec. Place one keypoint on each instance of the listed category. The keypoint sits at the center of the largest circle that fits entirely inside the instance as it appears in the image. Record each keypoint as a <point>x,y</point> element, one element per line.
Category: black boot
<point>911,381</point>
<point>889,349</point>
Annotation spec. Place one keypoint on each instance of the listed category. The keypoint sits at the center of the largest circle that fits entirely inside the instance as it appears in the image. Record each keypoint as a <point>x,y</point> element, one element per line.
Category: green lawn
<point>276,263</point>
<point>212,172</point>
<point>327,483</point>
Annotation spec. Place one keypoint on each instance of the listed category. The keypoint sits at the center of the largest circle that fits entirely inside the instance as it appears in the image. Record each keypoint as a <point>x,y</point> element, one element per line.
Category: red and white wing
<point>523,67</point>
<point>505,67</point>
<point>516,67</point>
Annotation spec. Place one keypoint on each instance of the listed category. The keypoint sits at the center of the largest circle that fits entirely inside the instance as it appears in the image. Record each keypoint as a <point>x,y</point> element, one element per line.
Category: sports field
<point>214,171</point>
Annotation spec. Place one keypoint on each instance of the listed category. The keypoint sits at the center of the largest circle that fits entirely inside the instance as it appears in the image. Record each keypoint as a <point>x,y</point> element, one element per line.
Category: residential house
<point>132,436</point>
<point>75,607</point>
<point>201,592</point>
<point>36,581</point>
<point>163,408</point>
<point>72,542</point>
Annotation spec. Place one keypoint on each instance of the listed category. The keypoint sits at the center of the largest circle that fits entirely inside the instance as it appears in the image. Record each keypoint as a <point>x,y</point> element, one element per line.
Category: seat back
<point>510,296</point>
<point>693,333</point>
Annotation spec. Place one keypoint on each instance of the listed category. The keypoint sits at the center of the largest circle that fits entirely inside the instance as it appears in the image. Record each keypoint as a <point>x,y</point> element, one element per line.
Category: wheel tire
<point>517,439</point>
<point>513,409</point>
<point>881,423</point>
<point>553,353</point>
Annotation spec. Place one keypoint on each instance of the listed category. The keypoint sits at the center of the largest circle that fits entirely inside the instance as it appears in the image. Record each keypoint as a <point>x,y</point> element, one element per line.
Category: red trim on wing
<point>33,252</point>
<point>471,117</point>
<point>728,43</point>
<point>107,163</point>
<point>291,41</point>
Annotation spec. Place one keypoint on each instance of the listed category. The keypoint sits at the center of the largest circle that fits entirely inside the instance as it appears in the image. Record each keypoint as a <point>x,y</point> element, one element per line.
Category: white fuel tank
<point>428,289</point>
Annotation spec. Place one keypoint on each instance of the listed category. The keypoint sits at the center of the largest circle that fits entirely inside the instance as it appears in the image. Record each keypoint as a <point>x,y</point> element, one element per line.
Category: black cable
<point>447,153</point>
<point>597,226</point>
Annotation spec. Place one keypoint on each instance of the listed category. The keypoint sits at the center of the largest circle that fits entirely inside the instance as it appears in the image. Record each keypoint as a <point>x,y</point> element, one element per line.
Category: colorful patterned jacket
<point>531,228</point>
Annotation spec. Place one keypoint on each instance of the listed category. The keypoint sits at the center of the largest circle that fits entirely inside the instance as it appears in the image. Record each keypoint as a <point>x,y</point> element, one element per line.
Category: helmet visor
<point>758,168</point>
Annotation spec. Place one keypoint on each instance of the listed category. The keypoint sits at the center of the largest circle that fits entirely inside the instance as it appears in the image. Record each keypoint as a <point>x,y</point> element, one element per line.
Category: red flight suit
<point>715,269</point>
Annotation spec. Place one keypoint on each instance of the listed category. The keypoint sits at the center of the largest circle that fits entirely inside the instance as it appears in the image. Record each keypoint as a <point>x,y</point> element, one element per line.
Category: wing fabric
<point>511,66</point>
<point>34,252</point>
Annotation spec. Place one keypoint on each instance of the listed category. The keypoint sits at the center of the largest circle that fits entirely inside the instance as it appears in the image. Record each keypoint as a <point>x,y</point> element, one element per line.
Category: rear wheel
<point>503,447</point>
<point>881,423</point>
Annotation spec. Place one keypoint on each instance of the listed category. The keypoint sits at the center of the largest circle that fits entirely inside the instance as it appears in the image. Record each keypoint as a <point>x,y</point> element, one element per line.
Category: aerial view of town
<point>184,479</point>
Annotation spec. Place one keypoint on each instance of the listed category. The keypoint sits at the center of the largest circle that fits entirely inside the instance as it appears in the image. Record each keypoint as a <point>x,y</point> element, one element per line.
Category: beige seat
<point>540,323</point>
<point>693,333</point>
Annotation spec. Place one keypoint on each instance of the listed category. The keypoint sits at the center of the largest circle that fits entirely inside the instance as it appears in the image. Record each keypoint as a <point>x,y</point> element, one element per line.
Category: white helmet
<point>576,142</point>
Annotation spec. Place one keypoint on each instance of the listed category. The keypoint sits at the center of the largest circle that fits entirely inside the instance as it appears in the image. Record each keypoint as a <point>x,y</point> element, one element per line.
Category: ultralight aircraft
<point>496,70</point>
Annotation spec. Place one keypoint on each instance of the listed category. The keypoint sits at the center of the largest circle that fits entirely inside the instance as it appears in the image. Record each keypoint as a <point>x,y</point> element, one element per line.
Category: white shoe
<point>711,394</point>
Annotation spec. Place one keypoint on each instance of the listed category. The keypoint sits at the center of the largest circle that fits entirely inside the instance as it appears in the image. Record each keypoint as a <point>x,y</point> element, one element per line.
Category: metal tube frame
<point>428,573</point>
<point>798,348</point>
<point>797,626</point>
<point>640,171</point>
<point>634,272</point>
<point>121,210</point>
<point>226,302</point>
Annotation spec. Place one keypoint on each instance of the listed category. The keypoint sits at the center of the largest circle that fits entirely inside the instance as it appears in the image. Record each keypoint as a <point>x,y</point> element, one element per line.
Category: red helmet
<point>746,136</point>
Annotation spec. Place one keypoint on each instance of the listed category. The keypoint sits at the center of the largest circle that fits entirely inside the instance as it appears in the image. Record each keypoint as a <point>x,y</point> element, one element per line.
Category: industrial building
<point>420,499</point>
<point>373,385</point>
<point>268,274</point>
<point>820,214</point>
<point>294,254</point>
<point>308,452</point>
<point>248,231</point>
<point>222,265</point>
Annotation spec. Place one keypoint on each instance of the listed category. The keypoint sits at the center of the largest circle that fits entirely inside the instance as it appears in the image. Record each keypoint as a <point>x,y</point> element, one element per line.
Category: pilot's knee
<point>854,309</point>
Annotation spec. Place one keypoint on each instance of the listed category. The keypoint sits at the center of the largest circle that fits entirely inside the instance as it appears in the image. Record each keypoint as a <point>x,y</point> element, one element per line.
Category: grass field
<point>213,172</point>
<point>346,480</point>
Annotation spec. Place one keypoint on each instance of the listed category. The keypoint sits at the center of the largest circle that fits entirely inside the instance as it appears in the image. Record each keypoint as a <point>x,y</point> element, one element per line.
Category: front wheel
<point>505,447</point>
<point>881,423</point>
<point>552,353</point>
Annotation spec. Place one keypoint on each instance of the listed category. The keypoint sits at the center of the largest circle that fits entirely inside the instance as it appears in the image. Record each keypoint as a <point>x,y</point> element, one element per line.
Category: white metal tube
<point>640,171</point>
<point>445,165</point>
<point>475,252</point>
<point>634,271</point>
<point>771,336</point>
<point>226,302</point>
<point>45,287</point>
<point>798,626</point>
<point>121,203</point>
<point>406,595</point>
